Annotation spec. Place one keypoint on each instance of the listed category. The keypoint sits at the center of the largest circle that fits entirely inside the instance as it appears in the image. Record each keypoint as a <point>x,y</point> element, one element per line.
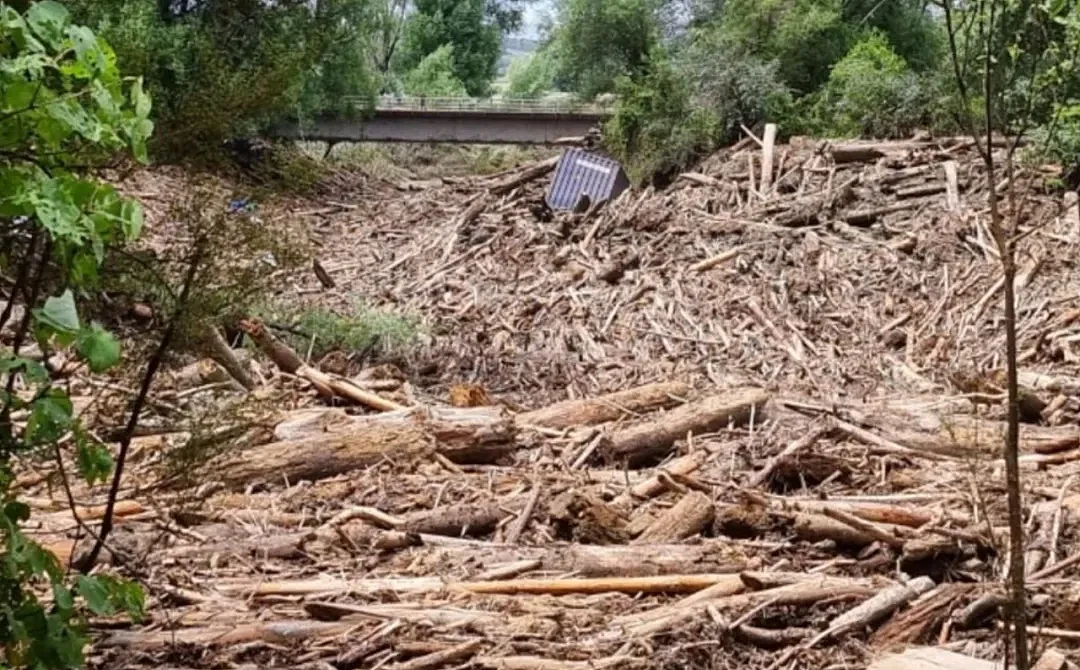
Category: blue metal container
<point>582,173</point>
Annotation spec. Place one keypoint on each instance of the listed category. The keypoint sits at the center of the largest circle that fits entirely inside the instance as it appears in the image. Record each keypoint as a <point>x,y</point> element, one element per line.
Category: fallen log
<point>930,658</point>
<point>610,407</point>
<point>648,441</point>
<point>877,608</point>
<point>321,457</point>
<point>326,384</point>
<point>463,434</point>
<point>692,514</point>
<point>655,485</point>
<point>455,520</point>
<point>437,659</point>
<point>528,174</point>
<point>855,153</point>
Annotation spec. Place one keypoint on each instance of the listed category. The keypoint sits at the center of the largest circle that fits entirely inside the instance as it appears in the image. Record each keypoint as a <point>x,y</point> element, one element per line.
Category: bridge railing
<point>504,105</point>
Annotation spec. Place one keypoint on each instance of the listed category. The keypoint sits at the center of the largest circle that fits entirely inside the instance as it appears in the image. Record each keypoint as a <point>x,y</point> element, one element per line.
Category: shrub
<point>321,331</point>
<point>656,129</point>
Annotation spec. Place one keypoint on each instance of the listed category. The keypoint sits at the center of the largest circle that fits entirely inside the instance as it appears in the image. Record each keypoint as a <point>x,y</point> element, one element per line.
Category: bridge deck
<point>460,120</point>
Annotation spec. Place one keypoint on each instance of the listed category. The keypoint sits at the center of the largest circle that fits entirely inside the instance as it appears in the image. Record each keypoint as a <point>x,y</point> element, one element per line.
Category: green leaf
<point>59,313</point>
<point>62,597</point>
<point>131,215</point>
<point>98,347</point>
<point>94,591</point>
<point>34,372</point>
<point>94,460</point>
<point>48,19</point>
<point>50,417</point>
<point>141,99</point>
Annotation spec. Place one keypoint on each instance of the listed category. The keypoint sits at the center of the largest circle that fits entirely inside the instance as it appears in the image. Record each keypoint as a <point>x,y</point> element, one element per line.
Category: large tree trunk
<point>464,435</point>
<point>322,456</point>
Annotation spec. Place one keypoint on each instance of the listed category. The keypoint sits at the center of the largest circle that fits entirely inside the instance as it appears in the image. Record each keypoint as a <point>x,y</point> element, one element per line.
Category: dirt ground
<point>739,422</point>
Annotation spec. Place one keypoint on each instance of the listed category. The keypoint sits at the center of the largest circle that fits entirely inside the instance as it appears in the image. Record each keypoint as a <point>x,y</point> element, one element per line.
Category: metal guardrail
<point>504,105</point>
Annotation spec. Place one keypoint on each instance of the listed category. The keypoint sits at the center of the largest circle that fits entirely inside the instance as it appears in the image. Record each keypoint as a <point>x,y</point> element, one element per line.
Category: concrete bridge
<point>457,120</point>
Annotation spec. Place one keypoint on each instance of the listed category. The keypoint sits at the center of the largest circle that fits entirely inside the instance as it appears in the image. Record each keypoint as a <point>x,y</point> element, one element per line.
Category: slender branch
<point>87,562</point>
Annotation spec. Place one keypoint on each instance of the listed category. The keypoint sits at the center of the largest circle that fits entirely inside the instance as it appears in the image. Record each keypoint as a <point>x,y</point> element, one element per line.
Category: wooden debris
<point>929,658</point>
<point>690,516</point>
<point>610,407</point>
<point>649,440</point>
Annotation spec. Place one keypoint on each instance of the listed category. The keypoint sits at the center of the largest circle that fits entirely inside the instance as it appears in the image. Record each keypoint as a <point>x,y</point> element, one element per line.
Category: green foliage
<point>471,27</point>
<point>598,41</point>
<point>872,92</point>
<point>656,128</point>
<point>221,69</point>
<point>321,331</point>
<point>435,76</point>
<point>63,105</point>
<point>739,90</point>
<point>531,75</point>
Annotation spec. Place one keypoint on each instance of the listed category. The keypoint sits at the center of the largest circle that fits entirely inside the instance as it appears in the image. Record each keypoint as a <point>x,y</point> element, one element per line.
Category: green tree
<point>435,76</point>
<point>64,106</point>
<point>474,28</point>
<point>872,92</point>
<point>531,75</point>
<point>806,37</point>
<point>223,68</point>
<point>657,129</point>
<point>598,41</point>
<point>1013,60</point>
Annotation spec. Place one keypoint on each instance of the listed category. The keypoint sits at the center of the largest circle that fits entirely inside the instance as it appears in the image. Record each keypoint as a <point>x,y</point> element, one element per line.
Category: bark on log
<point>463,434</point>
<point>920,191</point>
<point>644,442</point>
<point>653,486</point>
<point>688,517</point>
<point>528,174</point>
<point>817,527</point>
<point>456,520</point>
<point>323,456</point>
<point>610,407</point>
<point>772,638</point>
<point>855,153</point>
<point>877,608</point>
<point>930,658</point>
<point>867,216</point>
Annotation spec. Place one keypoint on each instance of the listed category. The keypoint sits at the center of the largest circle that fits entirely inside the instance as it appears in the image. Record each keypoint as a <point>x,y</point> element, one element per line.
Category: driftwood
<point>610,407</point>
<point>690,516</point>
<point>855,153</point>
<point>322,456</point>
<point>650,440</point>
<point>528,174</point>
<point>930,658</point>
<point>463,434</point>
<point>456,520</point>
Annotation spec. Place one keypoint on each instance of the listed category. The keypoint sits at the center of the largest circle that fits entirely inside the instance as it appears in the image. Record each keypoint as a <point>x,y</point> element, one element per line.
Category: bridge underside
<point>434,127</point>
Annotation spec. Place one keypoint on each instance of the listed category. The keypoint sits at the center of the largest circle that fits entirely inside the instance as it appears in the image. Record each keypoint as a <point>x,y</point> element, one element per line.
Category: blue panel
<point>583,173</point>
